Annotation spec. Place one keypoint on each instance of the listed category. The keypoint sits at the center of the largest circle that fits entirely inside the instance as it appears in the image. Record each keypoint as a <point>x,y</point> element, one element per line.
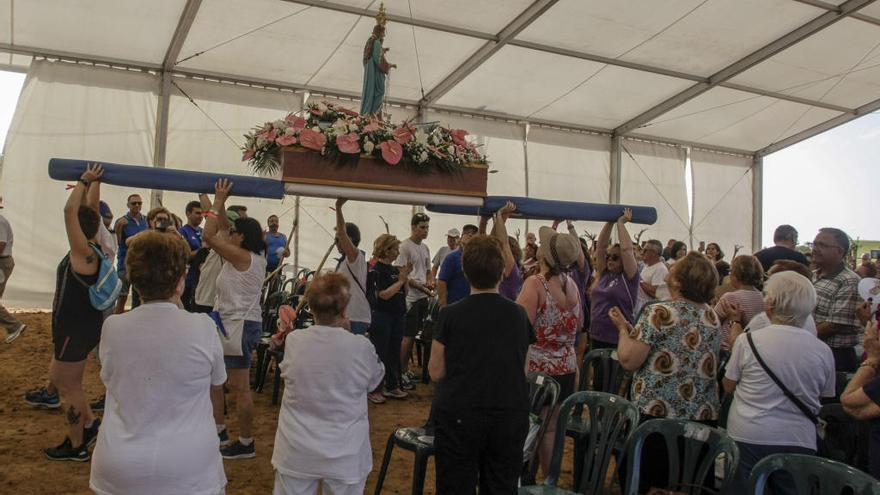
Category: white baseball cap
<point>453,233</point>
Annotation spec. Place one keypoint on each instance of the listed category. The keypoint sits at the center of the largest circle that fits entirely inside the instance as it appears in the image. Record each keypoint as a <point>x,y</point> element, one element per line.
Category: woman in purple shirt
<point>616,284</point>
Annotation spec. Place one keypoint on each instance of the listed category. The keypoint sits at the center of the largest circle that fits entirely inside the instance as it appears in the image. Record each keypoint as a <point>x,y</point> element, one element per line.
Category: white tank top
<point>238,293</point>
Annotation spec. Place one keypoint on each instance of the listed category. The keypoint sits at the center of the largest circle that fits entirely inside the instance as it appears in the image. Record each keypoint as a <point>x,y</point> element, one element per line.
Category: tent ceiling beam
<point>834,8</point>
<point>79,57</point>
<point>814,26</point>
<point>187,17</point>
<point>485,52</point>
<point>820,128</point>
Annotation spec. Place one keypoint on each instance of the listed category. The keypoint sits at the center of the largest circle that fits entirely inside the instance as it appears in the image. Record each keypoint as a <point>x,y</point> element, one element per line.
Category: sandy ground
<point>24,431</point>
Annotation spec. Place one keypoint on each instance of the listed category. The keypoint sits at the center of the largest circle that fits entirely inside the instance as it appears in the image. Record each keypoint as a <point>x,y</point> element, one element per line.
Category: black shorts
<point>76,348</point>
<point>415,317</point>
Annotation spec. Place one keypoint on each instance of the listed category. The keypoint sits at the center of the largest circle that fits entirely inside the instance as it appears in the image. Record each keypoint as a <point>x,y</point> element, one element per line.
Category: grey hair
<point>792,296</point>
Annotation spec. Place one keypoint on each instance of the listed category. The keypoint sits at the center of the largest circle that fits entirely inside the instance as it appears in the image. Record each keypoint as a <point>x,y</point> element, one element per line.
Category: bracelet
<point>211,214</point>
<point>85,182</point>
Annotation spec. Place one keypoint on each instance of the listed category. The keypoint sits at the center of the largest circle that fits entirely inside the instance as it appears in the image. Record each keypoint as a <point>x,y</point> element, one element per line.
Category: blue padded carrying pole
<point>167,179</point>
<point>548,209</point>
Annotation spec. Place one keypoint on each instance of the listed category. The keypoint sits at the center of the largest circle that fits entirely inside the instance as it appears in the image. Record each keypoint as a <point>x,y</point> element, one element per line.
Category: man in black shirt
<point>478,361</point>
<point>785,239</point>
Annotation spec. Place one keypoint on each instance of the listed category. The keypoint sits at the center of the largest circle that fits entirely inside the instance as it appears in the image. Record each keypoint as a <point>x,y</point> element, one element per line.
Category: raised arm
<point>348,247</point>
<point>582,259</point>
<point>82,256</point>
<point>93,196</point>
<point>627,254</point>
<point>602,247</point>
<point>238,256</point>
<point>499,230</point>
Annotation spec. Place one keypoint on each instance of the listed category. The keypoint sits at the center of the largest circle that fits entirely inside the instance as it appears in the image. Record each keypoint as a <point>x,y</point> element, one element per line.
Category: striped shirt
<point>750,302</point>
<point>837,296</point>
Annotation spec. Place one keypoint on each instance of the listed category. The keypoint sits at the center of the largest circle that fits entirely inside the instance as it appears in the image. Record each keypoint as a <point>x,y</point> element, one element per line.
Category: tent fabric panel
<point>611,96</point>
<point>73,111</point>
<point>654,175</point>
<point>568,174</point>
<point>728,117</point>
<point>664,34</point>
<point>840,65</point>
<point>479,126</point>
<point>530,79</point>
<point>486,15</point>
<point>138,31</point>
<point>722,201</point>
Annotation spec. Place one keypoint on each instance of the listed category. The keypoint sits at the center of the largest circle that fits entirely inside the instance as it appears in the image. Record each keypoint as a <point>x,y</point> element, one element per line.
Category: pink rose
<point>248,154</point>
<point>312,140</point>
<point>317,112</point>
<point>402,135</point>
<point>349,143</point>
<point>458,136</point>
<point>297,123</point>
<point>271,135</point>
<point>286,140</point>
<point>392,152</point>
<point>372,126</point>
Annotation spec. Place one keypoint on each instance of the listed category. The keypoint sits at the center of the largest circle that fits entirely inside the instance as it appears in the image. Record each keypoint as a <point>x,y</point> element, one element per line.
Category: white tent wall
<point>654,175</point>
<point>67,111</point>
<point>722,208</point>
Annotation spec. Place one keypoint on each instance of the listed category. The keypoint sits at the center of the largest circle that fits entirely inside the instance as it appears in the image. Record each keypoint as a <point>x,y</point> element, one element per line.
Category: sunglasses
<point>614,257</point>
<point>136,203</point>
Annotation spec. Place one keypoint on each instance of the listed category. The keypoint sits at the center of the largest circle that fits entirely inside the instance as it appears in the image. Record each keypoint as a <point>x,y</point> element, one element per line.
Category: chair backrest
<point>847,439</point>
<point>612,420</point>
<point>813,476</point>
<point>692,450</point>
<point>543,394</point>
<point>602,372</point>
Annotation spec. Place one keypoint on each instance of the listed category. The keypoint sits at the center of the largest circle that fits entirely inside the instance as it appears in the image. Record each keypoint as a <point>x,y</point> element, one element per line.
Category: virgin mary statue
<point>375,70</point>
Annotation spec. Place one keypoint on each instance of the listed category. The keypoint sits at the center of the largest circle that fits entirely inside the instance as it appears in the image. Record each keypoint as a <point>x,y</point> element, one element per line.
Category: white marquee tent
<point>588,100</point>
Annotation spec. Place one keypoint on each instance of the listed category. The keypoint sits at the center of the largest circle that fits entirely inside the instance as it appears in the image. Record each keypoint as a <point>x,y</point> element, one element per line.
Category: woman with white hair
<point>773,416</point>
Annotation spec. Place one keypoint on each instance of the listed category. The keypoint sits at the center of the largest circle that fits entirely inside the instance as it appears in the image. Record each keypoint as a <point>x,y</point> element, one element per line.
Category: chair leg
<point>420,468</point>
<point>577,468</point>
<point>386,460</point>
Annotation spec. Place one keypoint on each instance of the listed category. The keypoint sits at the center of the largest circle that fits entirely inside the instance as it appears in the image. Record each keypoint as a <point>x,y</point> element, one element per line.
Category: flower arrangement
<point>341,134</point>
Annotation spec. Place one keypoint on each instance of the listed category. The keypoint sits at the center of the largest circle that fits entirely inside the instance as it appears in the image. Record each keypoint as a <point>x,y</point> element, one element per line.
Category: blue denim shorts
<point>250,337</point>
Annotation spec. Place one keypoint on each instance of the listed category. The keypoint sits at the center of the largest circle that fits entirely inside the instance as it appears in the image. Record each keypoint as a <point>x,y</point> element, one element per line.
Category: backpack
<point>104,293</point>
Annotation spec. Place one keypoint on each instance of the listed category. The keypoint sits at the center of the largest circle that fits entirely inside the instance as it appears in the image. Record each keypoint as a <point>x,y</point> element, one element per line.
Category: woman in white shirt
<point>158,363</point>
<point>239,285</point>
<point>762,420</point>
<point>323,429</point>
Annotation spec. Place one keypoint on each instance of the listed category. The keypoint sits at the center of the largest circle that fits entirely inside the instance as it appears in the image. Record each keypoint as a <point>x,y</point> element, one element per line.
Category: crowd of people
<point>699,334</point>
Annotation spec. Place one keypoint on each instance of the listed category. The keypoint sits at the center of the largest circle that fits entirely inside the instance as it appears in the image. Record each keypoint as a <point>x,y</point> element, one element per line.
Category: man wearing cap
<point>452,284</point>
<point>452,237</point>
<point>129,225</point>
<point>10,323</point>
<point>192,232</point>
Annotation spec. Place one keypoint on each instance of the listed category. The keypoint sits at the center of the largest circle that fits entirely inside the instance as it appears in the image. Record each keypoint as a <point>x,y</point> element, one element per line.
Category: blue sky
<point>826,181</point>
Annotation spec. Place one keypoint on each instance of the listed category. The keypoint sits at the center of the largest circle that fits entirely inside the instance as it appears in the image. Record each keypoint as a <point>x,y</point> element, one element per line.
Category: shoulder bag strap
<point>358,282</point>
<point>800,405</point>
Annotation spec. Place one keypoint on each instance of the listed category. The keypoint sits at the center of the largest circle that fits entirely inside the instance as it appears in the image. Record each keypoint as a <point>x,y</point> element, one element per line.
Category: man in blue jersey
<point>192,232</point>
<point>276,244</point>
<point>127,226</point>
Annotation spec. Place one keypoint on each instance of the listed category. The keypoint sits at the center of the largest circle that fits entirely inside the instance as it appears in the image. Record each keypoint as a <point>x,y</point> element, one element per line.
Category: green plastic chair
<point>601,372</point>
<point>692,449</point>
<point>812,476</point>
<point>613,419</point>
<point>543,394</point>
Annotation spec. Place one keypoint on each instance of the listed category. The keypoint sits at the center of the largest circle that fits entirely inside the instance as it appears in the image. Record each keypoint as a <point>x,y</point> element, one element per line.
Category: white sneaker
<point>15,333</point>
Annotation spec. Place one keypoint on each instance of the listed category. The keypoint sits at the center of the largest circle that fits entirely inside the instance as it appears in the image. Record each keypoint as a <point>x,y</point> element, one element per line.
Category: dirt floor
<point>24,431</point>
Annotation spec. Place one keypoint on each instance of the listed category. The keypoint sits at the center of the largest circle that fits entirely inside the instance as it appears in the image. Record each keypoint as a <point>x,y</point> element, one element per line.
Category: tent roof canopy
<point>748,76</point>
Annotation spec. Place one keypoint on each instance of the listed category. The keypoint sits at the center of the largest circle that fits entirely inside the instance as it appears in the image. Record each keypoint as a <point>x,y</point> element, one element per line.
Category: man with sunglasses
<point>128,226</point>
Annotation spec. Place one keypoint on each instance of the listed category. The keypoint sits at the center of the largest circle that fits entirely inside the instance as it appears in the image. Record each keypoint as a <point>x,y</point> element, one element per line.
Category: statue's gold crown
<point>381,19</point>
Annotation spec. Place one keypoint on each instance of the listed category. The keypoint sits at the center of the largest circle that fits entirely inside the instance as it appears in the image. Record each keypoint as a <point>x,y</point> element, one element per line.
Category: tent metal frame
<point>494,42</point>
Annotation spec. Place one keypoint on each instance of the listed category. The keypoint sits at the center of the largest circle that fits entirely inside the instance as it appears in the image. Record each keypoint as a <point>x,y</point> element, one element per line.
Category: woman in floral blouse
<point>673,352</point>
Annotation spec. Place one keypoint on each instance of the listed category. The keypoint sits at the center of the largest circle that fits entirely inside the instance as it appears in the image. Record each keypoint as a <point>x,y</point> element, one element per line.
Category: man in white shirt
<point>13,327</point>
<point>653,275</point>
<point>323,429</point>
<point>353,266</point>
<point>421,286</point>
<point>452,237</point>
